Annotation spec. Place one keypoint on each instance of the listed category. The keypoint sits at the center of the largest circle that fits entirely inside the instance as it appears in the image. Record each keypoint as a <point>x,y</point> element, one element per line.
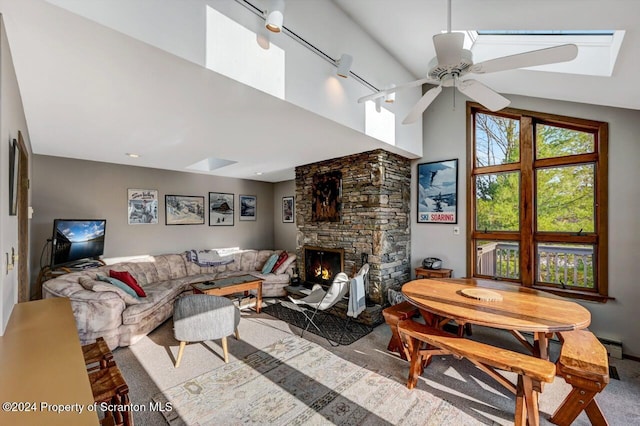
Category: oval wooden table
<point>521,309</point>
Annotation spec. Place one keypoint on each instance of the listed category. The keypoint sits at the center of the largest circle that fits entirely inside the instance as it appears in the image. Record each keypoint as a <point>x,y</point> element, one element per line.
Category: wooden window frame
<point>527,235</point>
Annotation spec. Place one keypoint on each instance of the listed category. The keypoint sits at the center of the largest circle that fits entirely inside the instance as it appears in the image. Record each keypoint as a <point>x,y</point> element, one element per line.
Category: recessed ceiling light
<point>132,155</point>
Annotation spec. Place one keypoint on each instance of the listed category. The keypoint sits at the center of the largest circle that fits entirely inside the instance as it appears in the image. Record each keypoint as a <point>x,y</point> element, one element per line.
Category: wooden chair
<point>97,355</point>
<point>109,386</point>
<point>531,371</point>
<point>583,363</point>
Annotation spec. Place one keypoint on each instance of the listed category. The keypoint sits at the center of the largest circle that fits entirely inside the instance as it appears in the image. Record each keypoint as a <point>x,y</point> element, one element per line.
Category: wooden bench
<point>583,363</point>
<point>392,316</point>
<point>531,370</point>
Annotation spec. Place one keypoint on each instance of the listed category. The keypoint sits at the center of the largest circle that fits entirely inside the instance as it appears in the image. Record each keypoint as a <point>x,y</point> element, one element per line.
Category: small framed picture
<point>143,206</point>
<point>248,207</point>
<point>288,210</point>
<point>184,210</point>
<point>220,209</point>
<point>438,192</point>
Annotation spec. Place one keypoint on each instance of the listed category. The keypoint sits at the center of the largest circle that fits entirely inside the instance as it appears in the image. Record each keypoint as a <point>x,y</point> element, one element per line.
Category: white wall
<point>284,233</point>
<point>66,188</point>
<point>445,138</point>
<point>11,121</point>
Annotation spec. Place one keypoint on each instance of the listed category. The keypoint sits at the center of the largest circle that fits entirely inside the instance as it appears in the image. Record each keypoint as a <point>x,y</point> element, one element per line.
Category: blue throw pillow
<point>268,266</point>
<point>117,283</point>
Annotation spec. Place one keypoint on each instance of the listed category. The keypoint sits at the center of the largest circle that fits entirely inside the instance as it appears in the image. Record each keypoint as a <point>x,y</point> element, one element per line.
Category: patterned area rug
<point>297,382</point>
<point>331,325</point>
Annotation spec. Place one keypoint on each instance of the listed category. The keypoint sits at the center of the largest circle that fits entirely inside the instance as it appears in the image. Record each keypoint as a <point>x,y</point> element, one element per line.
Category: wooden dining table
<point>520,309</point>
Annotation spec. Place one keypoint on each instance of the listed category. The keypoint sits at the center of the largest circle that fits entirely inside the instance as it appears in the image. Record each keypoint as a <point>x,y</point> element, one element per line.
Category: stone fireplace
<point>322,265</point>
<point>373,221</point>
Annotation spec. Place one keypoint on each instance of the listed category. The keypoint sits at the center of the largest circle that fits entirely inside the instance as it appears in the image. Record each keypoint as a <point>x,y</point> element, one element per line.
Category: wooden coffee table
<point>231,285</point>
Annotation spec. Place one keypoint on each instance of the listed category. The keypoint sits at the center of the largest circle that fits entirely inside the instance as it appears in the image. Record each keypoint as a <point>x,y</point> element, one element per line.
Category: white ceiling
<point>73,108</point>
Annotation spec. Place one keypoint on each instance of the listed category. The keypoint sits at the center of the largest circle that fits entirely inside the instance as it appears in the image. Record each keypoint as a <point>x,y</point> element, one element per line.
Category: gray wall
<point>12,120</point>
<point>284,234</point>
<point>445,138</point>
<point>78,189</point>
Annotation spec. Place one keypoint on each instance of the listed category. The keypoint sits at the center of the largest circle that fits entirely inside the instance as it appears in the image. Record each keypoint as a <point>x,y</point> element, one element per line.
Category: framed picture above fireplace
<point>326,197</point>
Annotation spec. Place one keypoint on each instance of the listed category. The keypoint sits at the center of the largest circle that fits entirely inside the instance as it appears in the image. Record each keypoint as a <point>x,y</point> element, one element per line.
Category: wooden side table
<point>433,273</point>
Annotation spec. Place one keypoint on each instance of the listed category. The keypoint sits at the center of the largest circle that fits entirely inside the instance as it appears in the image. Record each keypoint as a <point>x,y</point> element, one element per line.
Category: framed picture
<point>220,209</point>
<point>14,168</point>
<point>438,192</point>
<point>248,207</point>
<point>288,210</point>
<point>184,210</point>
<point>143,206</point>
<point>326,197</point>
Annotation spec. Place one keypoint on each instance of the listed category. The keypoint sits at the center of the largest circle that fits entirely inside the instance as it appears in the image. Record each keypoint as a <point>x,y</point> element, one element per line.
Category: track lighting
<point>275,16</point>
<point>344,65</point>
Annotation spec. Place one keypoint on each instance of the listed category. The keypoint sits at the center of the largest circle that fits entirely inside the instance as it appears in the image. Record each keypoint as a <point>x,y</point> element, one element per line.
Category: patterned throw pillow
<point>128,279</point>
<point>282,268</point>
<point>268,265</point>
<point>281,259</point>
<point>111,284</point>
<point>395,296</point>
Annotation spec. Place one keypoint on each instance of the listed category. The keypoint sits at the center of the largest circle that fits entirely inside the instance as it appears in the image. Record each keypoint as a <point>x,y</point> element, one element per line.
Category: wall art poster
<point>143,206</point>
<point>326,197</point>
<point>438,192</point>
<point>220,209</point>
<point>248,206</point>
<point>184,210</point>
<point>288,212</point>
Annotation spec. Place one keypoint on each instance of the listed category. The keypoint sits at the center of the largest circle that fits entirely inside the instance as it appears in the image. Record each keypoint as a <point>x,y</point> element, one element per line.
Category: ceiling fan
<point>452,62</point>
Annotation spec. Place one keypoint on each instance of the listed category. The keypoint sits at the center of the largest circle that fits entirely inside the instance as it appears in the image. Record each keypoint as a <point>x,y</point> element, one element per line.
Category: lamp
<point>275,16</point>
<point>344,65</point>
<point>390,97</point>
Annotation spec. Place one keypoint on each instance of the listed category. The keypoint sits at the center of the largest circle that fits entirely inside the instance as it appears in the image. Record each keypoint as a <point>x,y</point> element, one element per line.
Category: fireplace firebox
<point>321,265</point>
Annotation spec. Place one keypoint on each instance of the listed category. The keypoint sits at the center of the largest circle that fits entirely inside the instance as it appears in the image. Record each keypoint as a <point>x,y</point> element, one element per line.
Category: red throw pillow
<point>128,279</point>
<point>283,256</point>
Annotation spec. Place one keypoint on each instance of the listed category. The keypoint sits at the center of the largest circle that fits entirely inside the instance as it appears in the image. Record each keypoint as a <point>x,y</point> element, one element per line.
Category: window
<point>538,200</point>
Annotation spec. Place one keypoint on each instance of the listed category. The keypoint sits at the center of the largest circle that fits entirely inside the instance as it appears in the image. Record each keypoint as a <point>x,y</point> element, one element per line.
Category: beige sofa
<point>103,310</point>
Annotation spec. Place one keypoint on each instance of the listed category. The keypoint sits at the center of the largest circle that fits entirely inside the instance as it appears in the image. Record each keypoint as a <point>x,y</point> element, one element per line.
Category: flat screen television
<point>77,239</point>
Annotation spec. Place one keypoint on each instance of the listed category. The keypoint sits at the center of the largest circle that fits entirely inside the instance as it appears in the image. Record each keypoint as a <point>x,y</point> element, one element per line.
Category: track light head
<point>344,65</point>
<point>275,16</point>
<point>390,97</point>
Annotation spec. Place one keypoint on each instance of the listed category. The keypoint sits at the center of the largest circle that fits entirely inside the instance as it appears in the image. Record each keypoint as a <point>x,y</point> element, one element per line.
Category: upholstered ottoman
<point>199,317</point>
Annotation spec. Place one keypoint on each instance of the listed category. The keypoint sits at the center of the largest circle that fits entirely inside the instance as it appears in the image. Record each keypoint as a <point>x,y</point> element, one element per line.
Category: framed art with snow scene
<point>438,192</point>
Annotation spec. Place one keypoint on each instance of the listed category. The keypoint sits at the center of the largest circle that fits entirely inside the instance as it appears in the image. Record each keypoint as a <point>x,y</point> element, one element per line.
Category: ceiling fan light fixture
<point>344,65</point>
<point>275,16</point>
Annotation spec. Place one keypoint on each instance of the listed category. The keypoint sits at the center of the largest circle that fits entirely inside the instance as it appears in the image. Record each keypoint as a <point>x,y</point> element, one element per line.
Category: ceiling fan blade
<point>448,47</point>
<point>483,94</point>
<point>395,89</point>
<point>422,104</point>
<point>550,55</point>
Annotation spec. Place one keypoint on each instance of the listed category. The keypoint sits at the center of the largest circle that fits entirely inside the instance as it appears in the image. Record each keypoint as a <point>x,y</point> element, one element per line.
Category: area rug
<point>332,326</point>
<point>297,382</point>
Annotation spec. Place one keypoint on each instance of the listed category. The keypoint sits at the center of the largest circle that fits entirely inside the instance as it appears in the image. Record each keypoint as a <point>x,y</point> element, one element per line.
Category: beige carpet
<point>148,368</point>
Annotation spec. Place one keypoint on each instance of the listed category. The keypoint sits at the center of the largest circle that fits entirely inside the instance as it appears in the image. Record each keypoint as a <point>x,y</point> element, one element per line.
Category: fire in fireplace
<point>322,265</point>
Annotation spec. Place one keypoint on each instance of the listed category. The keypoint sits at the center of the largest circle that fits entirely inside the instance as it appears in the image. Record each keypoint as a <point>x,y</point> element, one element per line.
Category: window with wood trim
<point>537,200</point>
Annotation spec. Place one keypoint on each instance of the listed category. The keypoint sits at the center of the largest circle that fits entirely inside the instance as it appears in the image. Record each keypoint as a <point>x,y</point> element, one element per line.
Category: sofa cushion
<point>105,284</point>
<point>128,279</point>
<point>170,266</point>
<point>283,268</point>
<point>158,294</point>
<point>247,261</point>
<point>268,266</point>
<point>281,259</point>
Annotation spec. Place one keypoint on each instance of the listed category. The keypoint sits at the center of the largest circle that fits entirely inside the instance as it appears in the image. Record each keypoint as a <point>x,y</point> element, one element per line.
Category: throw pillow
<point>268,265</point>
<point>395,297</point>
<point>128,279</point>
<point>282,268</point>
<point>111,284</point>
<point>281,259</point>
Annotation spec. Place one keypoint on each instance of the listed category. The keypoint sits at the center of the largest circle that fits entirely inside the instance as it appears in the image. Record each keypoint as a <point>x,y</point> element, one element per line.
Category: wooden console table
<point>42,367</point>
<point>433,273</point>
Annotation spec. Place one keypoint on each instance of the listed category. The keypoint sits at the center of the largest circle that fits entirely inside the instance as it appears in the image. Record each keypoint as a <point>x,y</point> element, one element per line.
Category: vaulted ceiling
<point>88,94</point>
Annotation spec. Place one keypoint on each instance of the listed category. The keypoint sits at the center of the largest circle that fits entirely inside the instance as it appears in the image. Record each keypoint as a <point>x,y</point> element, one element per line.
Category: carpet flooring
<point>331,326</point>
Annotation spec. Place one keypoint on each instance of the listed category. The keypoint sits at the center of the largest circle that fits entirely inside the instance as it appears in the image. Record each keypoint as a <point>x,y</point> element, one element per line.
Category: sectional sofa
<point>104,310</point>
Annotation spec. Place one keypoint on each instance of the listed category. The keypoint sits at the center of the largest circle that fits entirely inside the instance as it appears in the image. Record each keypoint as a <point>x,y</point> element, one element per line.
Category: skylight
<point>597,49</point>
